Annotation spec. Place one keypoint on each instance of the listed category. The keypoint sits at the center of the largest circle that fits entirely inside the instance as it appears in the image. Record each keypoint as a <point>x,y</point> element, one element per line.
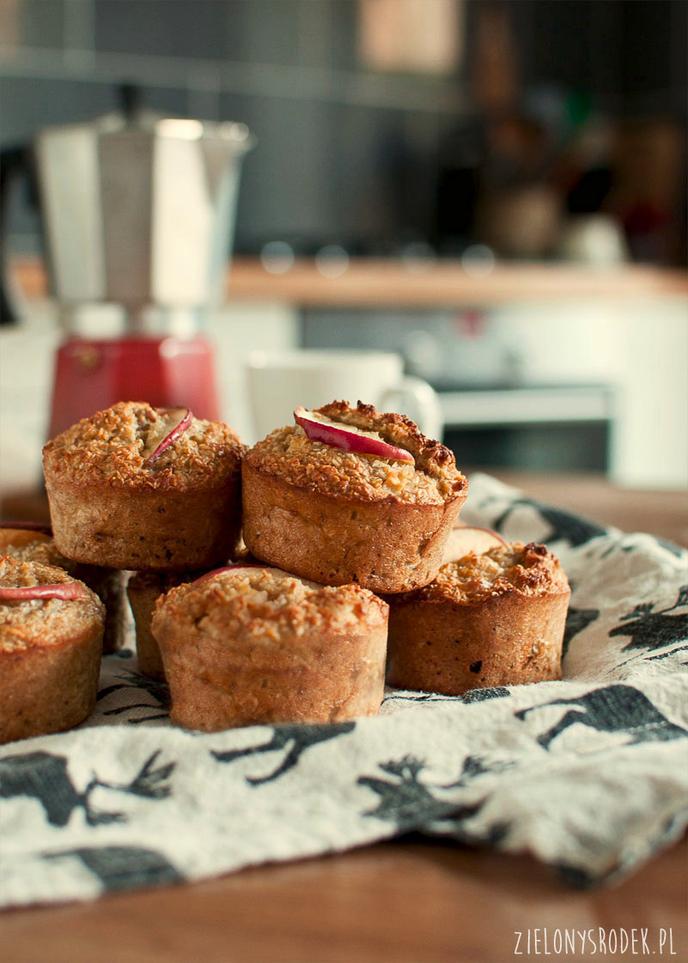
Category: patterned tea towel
<point>589,774</point>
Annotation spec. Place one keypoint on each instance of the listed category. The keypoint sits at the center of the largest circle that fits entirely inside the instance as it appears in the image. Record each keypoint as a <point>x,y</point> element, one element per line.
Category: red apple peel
<point>227,568</point>
<point>171,436</point>
<point>65,591</point>
<point>348,437</point>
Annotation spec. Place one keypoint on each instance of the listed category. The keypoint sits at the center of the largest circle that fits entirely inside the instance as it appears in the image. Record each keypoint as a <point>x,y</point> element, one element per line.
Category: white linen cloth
<point>589,774</point>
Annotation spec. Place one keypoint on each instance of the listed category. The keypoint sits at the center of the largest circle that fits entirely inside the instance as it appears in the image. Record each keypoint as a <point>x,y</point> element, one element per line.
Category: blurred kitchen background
<point>494,190</point>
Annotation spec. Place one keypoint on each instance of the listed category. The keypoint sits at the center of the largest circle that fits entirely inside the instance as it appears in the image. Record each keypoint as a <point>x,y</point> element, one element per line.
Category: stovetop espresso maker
<point>138,212</point>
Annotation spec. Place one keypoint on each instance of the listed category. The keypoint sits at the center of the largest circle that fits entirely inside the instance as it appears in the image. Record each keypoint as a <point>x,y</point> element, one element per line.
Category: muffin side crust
<point>143,591</point>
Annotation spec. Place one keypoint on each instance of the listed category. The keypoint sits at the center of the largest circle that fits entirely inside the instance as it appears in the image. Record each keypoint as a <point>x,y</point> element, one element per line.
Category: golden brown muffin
<point>36,540</point>
<point>338,517</point>
<point>249,645</point>
<point>143,591</point>
<point>486,620</point>
<point>49,651</point>
<point>36,545</point>
<point>116,500</point>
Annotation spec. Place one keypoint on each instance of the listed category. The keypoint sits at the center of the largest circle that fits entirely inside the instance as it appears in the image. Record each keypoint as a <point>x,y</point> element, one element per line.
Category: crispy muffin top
<point>289,454</point>
<point>112,448</point>
<point>32,546</point>
<point>524,570</point>
<point>261,605</point>
<point>43,622</point>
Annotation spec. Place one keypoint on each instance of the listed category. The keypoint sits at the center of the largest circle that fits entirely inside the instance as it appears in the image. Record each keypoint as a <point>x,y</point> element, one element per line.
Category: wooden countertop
<point>410,901</point>
<point>389,283</point>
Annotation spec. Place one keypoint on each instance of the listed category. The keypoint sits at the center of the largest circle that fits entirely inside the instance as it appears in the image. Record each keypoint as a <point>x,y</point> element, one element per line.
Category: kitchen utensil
<point>138,211</point>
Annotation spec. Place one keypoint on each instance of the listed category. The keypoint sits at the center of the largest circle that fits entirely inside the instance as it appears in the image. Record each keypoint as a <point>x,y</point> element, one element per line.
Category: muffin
<point>143,591</point>
<point>136,487</point>
<point>110,586</point>
<point>486,620</point>
<point>50,646</point>
<point>251,645</point>
<point>30,543</point>
<point>338,516</point>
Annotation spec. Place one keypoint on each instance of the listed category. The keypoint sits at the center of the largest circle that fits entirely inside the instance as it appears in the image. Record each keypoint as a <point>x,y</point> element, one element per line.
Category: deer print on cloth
<point>45,777</point>
<point>135,685</point>
<point>648,629</point>
<point>295,739</point>
<point>577,620</point>
<point>409,802</point>
<point>122,867</point>
<point>616,708</point>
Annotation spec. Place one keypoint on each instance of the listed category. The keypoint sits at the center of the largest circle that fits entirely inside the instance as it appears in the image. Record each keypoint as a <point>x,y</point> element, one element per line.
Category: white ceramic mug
<point>279,382</point>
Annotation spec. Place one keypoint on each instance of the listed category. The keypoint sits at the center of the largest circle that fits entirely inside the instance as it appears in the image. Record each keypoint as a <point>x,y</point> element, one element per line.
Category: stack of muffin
<point>346,517</point>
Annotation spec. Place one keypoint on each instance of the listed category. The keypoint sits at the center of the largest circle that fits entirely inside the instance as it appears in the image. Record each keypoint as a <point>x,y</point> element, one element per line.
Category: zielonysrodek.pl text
<point>595,941</point>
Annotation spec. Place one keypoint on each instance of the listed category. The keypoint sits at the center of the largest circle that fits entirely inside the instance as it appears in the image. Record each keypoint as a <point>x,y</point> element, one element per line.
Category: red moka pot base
<point>166,372</point>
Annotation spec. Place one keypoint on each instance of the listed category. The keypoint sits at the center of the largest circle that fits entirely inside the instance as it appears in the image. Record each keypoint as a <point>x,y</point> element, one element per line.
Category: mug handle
<point>417,399</point>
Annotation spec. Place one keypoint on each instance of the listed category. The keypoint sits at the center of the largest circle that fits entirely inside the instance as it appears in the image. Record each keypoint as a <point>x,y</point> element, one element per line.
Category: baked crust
<point>525,569</point>
<point>110,507</point>
<point>339,517</point>
<point>490,620</point>
<point>257,645</point>
<point>323,469</point>
<point>49,655</point>
<point>28,545</point>
<point>143,591</point>
<point>112,447</point>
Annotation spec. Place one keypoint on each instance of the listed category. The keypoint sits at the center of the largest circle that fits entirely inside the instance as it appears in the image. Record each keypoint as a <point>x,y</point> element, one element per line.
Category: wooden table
<point>411,901</point>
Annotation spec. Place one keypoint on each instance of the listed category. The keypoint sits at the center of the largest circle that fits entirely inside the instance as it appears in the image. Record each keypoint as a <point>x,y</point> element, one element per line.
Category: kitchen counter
<point>410,901</point>
<point>399,902</point>
<point>391,283</point>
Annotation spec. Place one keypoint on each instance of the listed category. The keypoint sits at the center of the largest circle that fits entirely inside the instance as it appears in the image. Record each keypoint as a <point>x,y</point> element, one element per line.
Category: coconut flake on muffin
<point>40,621</point>
<point>265,601</point>
<point>527,569</point>
<point>116,445</point>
